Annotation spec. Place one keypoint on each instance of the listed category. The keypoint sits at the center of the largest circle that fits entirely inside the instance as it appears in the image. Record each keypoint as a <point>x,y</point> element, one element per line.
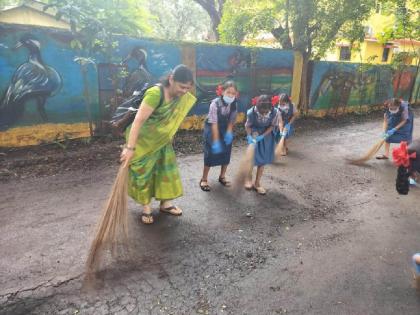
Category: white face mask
<point>284,107</point>
<point>393,111</point>
<point>228,99</point>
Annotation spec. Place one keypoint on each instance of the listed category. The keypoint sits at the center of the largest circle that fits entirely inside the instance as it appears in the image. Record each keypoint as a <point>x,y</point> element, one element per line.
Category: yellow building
<point>32,13</point>
<point>372,49</point>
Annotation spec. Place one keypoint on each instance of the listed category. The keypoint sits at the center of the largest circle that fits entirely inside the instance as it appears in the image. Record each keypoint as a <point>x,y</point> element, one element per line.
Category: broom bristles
<point>279,149</point>
<point>112,227</point>
<point>245,167</point>
<point>369,155</point>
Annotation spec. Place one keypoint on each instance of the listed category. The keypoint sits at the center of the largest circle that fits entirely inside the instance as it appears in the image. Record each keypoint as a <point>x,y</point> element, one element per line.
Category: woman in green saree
<point>153,171</point>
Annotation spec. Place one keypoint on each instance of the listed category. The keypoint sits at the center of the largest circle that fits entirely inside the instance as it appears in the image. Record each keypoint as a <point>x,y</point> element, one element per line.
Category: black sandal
<point>224,182</point>
<point>204,187</point>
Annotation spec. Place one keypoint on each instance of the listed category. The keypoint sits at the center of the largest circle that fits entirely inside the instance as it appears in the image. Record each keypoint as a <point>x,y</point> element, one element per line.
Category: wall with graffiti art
<point>49,92</point>
<point>345,87</point>
<point>43,92</point>
<point>255,71</point>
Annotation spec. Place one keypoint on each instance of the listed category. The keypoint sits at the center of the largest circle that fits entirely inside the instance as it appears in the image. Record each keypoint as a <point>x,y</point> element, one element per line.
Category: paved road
<point>328,238</point>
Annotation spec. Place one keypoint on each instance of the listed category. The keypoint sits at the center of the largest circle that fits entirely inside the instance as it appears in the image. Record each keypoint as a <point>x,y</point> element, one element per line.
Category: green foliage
<point>308,26</point>
<point>95,22</point>
<point>5,3</point>
<point>178,20</point>
<point>407,19</point>
<point>406,26</point>
<point>249,20</point>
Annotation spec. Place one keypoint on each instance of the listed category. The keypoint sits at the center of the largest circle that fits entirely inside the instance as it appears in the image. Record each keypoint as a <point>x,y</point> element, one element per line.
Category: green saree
<point>153,170</point>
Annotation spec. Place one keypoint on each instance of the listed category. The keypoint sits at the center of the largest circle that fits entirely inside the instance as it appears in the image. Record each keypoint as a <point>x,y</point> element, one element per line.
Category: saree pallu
<point>153,170</point>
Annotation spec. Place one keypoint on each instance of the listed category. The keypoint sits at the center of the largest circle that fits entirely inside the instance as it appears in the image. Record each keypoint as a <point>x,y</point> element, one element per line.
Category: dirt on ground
<point>90,153</point>
<point>328,238</point>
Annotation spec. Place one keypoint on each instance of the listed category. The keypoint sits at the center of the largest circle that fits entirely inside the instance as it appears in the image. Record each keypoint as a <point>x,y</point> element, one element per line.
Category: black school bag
<point>125,113</point>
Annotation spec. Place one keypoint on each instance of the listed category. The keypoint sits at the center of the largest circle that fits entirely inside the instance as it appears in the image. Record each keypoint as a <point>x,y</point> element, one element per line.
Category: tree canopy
<point>308,26</point>
<point>178,20</point>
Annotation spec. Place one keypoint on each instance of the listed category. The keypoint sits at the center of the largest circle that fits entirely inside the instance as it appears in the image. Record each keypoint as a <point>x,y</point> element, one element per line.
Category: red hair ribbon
<point>401,156</point>
<point>275,100</point>
<point>219,90</point>
<point>254,101</point>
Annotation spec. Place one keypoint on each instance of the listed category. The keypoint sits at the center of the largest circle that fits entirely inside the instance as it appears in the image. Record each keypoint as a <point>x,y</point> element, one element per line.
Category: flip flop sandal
<point>147,218</point>
<point>224,182</point>
<point>169,210</point>
<point>204,187</point>
<point>260,190</point>
<point>382,157</point>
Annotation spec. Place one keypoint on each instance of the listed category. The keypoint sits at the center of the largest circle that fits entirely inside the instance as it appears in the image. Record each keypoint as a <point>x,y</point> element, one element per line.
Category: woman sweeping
<point>153,171</point>
<point>218,133</point>
<point>398,124</point>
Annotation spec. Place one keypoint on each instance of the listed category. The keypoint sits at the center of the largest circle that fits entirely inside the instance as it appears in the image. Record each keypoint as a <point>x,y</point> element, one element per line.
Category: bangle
<point>129,148</point>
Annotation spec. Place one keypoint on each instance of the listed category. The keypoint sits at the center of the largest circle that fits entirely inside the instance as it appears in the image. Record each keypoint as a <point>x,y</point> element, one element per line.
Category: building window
<point>385,54</point>
<point>345,53</point>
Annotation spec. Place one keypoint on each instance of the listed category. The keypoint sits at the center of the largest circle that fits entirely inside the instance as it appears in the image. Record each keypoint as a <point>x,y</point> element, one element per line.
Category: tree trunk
<point>214,13</point>
<point>215,31</point>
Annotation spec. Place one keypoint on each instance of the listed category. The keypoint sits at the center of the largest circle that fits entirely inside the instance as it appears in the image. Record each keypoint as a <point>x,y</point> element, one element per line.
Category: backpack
<point>125,113</point>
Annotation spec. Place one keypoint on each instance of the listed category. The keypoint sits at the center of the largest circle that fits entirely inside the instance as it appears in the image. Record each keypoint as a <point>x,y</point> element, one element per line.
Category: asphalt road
<point>328,238</point>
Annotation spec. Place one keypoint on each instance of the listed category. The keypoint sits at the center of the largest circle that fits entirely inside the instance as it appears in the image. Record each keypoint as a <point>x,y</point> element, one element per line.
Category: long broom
<point>245,167</point>
<point>279,149</point>
<point>369,155</point>
<point>112,228</point>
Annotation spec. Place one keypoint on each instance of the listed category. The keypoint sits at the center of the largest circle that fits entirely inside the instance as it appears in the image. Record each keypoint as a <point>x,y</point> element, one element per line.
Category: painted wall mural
<point>256,71</point>
<point>338,87</point>
<point>139,61</point>
<point>46,96</point>
<point>41,87</point>
<point>32,80</point>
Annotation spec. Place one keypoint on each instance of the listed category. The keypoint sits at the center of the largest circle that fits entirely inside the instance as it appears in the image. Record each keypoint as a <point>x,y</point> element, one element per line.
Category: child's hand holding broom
<point>374,149</point>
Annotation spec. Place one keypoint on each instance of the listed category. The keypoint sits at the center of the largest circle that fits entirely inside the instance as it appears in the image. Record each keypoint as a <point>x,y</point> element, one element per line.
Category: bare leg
<point>222,176</point>
<point>387,147</point>
<point>248,181</point>
<point>206,171</point>
<point>260,170</point>
<point>223,171</point>
<point>257,185</point>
